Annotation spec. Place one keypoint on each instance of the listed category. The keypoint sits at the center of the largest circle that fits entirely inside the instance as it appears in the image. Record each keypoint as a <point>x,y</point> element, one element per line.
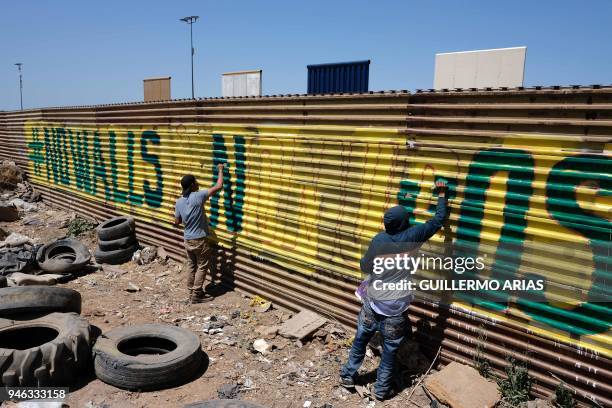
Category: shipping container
<point>156,89</point>
<point>341,77</point>
<point>241,83</point>
<point>502,67</point>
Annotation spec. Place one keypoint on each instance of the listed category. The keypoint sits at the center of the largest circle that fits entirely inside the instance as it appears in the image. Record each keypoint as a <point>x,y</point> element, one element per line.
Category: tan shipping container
<point>156,89</point>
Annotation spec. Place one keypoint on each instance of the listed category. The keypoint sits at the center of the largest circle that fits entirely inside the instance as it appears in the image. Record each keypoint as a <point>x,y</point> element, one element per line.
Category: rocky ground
<point>291,374</point>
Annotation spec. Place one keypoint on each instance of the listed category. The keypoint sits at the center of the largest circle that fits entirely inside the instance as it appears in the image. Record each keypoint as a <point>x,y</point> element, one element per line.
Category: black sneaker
<point>347,382</point>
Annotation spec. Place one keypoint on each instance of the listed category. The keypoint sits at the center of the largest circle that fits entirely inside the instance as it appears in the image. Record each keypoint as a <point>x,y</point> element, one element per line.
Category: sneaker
<point>347,382</point>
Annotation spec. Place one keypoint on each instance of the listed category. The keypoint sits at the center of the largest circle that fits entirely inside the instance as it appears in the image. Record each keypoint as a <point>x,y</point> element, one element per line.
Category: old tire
<point>63,256</point>
<point>115,228</point>
<point>48,351</point>
<point>147,357</point>
<point>3,283</point>
<point>115,257</point>
<point>225,403</point>
<point>121,243</point>
<point>38,299</point>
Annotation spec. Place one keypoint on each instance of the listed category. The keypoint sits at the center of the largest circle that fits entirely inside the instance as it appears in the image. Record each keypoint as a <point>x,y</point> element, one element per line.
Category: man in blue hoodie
<point>385,310</point>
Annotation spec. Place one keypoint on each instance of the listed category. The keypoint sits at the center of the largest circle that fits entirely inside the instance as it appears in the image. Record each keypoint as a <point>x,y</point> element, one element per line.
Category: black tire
<point>115,228</point>
<point>3,282</point>
<point>63,256</point>
<point>116,257</point>
<point>20,300</point>
<point>147,357</point>
<point>49,351</point>
<point>121,243</point>
<point>226,403</point>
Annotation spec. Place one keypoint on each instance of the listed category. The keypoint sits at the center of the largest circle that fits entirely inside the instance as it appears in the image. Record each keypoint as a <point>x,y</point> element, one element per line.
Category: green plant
<point>564,397</point>
<point>78,225</point>
<point>516,387</point>
<point>480,362</point>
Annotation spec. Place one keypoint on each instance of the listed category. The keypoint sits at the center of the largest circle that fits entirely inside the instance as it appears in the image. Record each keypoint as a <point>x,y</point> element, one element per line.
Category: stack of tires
<point>116,241</point>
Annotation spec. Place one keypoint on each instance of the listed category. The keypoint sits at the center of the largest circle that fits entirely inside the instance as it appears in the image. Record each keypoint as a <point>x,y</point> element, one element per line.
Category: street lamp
<point>190,20</point>
<point>19,64</point>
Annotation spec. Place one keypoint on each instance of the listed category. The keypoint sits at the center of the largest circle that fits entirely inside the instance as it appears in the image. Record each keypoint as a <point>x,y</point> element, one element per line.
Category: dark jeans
<point>393,330</point>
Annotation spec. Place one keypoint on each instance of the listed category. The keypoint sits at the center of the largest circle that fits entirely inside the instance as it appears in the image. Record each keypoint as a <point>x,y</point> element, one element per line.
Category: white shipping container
<point>502,67</point>
<point>242,83</point>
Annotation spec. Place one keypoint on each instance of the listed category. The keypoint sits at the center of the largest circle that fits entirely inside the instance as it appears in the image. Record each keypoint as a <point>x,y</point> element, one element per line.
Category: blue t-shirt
<point>190,210</point>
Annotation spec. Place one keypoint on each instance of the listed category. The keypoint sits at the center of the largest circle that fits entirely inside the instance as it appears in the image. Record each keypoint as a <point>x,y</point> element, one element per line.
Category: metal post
<point>192,52</point>
<point>190,20</point>
<point>19,64</point>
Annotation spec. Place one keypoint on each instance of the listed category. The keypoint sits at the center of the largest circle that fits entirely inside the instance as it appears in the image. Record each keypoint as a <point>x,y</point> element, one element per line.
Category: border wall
<point>309,178</point>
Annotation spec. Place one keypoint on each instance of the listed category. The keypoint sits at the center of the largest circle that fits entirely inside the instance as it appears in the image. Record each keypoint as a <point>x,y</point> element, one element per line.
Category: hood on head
<point>396,220</point>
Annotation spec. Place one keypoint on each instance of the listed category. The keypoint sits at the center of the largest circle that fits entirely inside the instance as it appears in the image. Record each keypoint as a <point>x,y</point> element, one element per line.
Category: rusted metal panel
<point>303,196</point>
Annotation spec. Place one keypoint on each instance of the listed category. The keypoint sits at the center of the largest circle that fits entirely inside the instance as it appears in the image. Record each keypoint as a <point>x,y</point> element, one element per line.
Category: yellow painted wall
<point>311,197</point>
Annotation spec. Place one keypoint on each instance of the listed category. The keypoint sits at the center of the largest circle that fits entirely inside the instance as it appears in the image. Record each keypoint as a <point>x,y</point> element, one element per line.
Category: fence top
<point>566,89</point>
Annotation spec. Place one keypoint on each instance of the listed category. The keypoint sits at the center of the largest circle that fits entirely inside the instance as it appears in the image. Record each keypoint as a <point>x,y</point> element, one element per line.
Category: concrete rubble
<point>302,325</point>
<point>460,386</point>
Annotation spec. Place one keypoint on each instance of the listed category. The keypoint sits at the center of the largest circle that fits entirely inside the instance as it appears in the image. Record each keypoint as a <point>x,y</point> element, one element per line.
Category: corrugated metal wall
<point>309,178</point>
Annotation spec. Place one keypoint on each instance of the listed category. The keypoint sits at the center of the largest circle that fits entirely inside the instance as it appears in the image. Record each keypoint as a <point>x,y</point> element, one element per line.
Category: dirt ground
<point>291,375</point>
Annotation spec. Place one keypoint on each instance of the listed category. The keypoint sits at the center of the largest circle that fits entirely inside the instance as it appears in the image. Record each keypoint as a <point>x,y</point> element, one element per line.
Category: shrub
<point>517,386</point>
<point>78,225</point>
<point>564,397</point>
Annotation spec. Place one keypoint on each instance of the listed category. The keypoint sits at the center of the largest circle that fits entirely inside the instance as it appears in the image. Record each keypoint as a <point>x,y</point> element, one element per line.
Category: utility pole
<point>19,64</point>
<point>190,20</point>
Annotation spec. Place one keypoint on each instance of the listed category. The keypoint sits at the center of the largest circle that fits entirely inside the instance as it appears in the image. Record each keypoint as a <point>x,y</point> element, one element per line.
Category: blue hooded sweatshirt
<point>397,238</point>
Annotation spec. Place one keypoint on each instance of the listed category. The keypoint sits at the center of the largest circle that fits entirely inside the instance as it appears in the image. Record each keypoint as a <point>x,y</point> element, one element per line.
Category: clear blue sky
<point>89,52</point>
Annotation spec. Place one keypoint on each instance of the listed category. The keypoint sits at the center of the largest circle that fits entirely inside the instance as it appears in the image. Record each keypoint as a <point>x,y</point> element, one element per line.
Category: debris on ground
<point>27,193</point>
<point>162,255</point>
<point>33,221</point>
<point>145,255</point>
<point>302,325</point>
<point>132,288</point>
<point>262,346</point>
<point>261,304</point>
<point>112,271</point>
<point>228,391</point>
<point>460,386</point>
<point>25,279</point>
<point>17,254</point>
<point>23,205</point>
<point>266,331</point>
<point>16,239</point>
<point>213,325</point>
<point>8,212</point>
<point>10,175</point>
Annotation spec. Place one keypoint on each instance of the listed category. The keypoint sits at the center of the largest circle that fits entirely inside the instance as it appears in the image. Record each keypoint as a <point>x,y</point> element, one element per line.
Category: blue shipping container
<point>339,77</point>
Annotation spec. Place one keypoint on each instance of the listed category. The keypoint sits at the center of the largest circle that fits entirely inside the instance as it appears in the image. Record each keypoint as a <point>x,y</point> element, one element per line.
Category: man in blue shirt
<point>384,310</point>
<point>189,210</point>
